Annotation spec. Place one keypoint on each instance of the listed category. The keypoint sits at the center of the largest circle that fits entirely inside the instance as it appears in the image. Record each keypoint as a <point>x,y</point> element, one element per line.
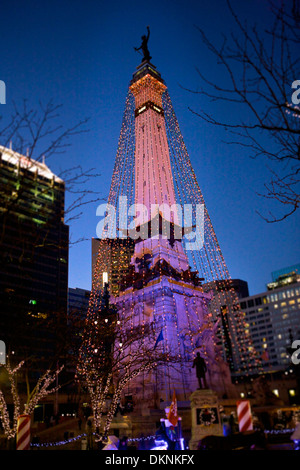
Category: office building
<point>225,295</point>
<point>78,301</point>
<point>33,257</point>
<point>272,317</point>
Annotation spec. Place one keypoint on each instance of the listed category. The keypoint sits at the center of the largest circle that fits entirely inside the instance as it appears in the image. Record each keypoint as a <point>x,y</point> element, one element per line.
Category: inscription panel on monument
<point>207,416</point>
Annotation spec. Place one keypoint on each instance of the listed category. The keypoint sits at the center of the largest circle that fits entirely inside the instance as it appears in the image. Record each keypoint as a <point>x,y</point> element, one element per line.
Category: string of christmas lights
<point>152,166</point>
<point>209,260</point>
<point>83,436</point>
<point>40,391</point>
<point>10,428</point>
<point>275,432</point>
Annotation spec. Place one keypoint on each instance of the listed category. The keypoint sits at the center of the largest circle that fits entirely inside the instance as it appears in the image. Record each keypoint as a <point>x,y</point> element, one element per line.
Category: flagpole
<point>161,338</point>
<point>165,371</point>
<point>156,391</point>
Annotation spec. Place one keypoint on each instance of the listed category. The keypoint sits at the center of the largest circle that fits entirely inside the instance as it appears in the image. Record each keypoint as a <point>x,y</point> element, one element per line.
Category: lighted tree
<point>43,387</point>
<point>115,350</point>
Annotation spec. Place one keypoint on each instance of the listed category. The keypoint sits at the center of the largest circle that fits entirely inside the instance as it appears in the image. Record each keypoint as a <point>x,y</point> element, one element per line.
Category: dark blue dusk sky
<point>80,54</point>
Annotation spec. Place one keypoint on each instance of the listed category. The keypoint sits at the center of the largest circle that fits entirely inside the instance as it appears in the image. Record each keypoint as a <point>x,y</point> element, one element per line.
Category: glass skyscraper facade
<point>33,257</point>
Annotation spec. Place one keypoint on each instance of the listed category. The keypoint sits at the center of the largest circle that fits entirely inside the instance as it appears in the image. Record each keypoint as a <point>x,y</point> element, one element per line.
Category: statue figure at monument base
<point>201,369</point>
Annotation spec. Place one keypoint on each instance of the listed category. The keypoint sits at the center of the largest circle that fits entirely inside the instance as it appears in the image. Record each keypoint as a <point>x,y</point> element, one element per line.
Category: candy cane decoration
<point>244,415</point>
<point>23,432</point>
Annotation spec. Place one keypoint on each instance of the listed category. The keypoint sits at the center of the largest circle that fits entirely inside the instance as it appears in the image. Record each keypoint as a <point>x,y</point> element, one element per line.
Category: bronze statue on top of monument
<point>144,46</point>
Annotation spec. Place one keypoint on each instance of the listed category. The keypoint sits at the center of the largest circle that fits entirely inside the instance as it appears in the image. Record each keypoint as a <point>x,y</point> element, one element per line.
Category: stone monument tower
<point>162,287</point>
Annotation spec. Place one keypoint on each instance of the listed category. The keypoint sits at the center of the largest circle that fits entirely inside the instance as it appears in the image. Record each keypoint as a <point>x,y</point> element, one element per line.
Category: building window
<point>105,278</point>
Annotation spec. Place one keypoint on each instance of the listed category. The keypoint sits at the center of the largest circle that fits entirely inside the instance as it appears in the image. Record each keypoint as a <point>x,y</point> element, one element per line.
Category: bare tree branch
<point>259,68</point>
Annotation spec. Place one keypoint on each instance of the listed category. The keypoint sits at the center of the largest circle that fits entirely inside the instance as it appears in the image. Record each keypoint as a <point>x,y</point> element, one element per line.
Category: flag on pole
<point>173,413</point>
<point>159,338</point>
